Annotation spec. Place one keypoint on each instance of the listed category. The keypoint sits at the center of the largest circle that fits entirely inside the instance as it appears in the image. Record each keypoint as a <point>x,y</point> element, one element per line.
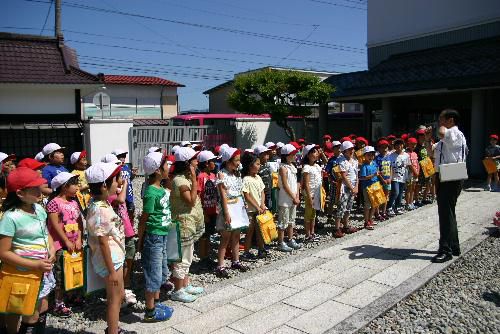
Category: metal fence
<point>141,138</point>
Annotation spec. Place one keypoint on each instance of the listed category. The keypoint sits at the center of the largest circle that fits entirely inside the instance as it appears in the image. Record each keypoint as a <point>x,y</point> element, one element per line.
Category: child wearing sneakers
<point>187,210</point>
<point>368,175</point>
<point>400,162</point>
<point>106,239</point>
<point>253,191</point>
<point>26,244</point>
<point>288,198</point>
<point>348,189</point>
<point>66,229</point>
<point>311,183</point>
<point>412,177</point>
<point>154,226</point>
<point>384,166</point>
<point>208,195</point>
<point>229,185</point>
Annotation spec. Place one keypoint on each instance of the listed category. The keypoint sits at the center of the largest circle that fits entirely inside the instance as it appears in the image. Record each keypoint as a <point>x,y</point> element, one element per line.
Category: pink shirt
<point>208,192</point>
<point>68,212</point>
<point>414,161</point>
<point>121,211</point>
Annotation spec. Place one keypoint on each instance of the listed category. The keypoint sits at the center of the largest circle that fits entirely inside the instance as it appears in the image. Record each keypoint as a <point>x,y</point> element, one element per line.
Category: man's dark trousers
<point>447,195</point>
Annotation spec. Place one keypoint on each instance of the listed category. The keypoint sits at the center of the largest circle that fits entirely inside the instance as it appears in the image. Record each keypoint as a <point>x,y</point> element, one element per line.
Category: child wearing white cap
<point>311,183</point>
<point>65,228</point>
<point>187,210</point>
<point>106,238</point>
<point>368,175</point>
<point>288,199</point>
<point>348,189</point>
<point>153,230</point>
<point>208,194</point>
<point>54,155</point>
<point>229,185</point>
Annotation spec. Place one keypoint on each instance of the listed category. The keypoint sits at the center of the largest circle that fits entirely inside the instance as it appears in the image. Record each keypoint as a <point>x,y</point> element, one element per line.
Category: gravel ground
<point>464,298</point>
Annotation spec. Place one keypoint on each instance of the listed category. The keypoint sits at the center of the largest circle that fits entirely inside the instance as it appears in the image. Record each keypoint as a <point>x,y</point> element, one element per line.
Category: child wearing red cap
<point>25,242</point>
<point>493,152</point>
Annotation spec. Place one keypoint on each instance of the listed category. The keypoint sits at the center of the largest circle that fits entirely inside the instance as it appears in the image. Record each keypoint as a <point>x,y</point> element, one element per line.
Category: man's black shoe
<point>442,257</point>
<point>456,252</point>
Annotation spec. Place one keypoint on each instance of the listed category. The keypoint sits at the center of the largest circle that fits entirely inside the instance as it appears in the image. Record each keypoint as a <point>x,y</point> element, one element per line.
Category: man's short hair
<point>450,113</point>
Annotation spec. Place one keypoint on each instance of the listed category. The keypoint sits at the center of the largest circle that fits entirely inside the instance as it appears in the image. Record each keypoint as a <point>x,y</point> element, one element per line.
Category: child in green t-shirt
<point>154,226</point>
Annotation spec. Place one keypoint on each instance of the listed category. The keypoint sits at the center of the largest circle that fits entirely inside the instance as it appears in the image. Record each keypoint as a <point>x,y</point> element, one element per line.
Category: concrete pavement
<point>338,287</point>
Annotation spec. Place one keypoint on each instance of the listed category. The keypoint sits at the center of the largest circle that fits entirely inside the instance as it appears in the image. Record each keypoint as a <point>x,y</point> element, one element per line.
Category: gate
<point>141,138</point>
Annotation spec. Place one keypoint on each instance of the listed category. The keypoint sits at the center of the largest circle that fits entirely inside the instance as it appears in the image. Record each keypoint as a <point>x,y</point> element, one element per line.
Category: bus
<point>218,120</point>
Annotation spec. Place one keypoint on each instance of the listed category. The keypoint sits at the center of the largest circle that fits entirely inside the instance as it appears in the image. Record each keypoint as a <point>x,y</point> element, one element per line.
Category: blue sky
<point>197,50</point>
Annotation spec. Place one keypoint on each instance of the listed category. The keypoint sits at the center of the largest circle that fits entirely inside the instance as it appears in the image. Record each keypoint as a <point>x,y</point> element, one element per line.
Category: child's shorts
<point>129,248</point>
<point>286,217</point>
<point>155,261</point>
<point>345,203</point>
<point>422,180</point>
<point>309,212</point>
<point>48,284</point>
<point>366,199</point>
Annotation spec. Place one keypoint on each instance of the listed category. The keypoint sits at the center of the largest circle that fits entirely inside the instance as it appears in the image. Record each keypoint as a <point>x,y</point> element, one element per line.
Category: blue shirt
<point>366,170</point>
<point>50,171</point>
<point>384,165</point>
<point>332,162</point>
<point>127,175</point>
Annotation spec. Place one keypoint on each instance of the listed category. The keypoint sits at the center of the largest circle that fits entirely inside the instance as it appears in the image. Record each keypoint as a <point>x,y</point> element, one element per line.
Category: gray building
<point>424,56</point>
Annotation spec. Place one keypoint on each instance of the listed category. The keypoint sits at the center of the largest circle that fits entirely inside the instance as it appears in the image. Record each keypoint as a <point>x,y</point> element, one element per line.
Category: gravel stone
<point>464,298</point>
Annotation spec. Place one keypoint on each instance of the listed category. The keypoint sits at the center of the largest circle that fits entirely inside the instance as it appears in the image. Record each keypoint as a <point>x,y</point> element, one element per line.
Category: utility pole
<point>57,29</point>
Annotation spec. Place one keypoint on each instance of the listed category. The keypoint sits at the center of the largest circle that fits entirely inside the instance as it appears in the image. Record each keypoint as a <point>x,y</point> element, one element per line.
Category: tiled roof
<point>465,65</point>
<point>139,80</point>
<point>43,60</point>
<point>150,122</point>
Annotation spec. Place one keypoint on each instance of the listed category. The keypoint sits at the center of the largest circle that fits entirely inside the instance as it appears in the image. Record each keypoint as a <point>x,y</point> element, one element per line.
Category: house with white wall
<point>134,97</point>
<point>423,57</point>
<point>41,85</point>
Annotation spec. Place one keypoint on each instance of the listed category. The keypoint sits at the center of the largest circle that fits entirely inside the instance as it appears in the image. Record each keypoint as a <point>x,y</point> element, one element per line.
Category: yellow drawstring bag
<point>267,227</point>
<point>490,166</point>
<point>275,180</point>
<point>376,194</point>
<point>19,290</point>
<point>427,167</point>
<point>73,270</point>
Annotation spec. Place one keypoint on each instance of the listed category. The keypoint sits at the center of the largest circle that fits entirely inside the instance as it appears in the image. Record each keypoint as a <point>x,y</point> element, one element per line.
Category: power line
<point>350,65</point>
<point>106,59</point>
<point>203,48</point>
<point>298,46</point>
<point>46,17</point>
<point>238,17</point>
<point>216,28</point>
<point>169,52</point>
<point>337,4</point>
<point>152,70</point>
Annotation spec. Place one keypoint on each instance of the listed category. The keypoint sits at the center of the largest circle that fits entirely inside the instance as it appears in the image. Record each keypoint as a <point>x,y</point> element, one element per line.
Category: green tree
<point>280,94</point>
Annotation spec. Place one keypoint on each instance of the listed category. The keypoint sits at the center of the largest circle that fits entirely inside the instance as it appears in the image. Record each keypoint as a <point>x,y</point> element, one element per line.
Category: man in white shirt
<point>451,148</point>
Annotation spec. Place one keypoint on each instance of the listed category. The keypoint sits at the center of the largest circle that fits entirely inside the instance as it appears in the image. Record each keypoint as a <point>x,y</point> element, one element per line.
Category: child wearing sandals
<point>255,197</point>
<point>154,226</point>
<point>288,198</point>
<point>188,212</point>
<point>26,243</point>
<point>229,185</point>
<point>106,239</point>
<point>66,229</point>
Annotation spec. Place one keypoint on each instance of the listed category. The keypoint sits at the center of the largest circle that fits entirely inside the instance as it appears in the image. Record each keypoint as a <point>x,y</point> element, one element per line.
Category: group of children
<point>192,194</point>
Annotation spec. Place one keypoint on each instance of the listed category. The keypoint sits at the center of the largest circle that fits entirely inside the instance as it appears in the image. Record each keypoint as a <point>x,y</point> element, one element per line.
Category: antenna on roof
<point>57,27</point>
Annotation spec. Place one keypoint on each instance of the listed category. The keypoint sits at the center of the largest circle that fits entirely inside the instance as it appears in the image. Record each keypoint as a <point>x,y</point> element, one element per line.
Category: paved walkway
<point>329,289</point>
